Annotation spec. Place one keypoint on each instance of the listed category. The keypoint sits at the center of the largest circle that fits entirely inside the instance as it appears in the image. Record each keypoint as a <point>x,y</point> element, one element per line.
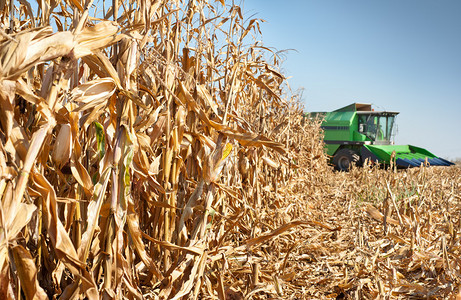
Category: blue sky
<point>400,55</point>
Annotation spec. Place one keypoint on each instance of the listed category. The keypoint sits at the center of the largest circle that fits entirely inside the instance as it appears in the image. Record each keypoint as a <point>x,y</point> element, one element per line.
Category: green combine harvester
<point>356,133</point>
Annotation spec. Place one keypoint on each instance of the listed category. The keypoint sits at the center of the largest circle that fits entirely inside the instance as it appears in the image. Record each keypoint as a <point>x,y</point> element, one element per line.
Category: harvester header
<point>356,133</point>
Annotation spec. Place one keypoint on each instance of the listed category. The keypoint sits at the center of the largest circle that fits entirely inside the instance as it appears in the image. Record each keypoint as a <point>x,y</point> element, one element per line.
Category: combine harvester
<point>356,133</point>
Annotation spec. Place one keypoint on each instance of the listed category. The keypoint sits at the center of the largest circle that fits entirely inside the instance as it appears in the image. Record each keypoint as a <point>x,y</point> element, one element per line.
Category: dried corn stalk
<point>121,141</point>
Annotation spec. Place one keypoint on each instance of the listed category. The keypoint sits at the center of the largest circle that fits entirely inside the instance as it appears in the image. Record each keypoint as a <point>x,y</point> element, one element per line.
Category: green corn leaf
<point>101,139</point>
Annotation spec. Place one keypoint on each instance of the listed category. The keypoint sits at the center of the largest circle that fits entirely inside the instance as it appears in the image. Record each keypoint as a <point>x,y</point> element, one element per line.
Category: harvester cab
<point>377,126</point>
<point>357,133</point>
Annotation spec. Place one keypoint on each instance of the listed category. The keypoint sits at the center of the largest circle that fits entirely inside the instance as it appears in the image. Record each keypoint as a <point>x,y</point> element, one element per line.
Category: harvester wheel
<point>344,158</point>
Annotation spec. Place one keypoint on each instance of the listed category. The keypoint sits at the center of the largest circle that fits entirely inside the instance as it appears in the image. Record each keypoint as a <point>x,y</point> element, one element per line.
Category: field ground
<point>395,235</point>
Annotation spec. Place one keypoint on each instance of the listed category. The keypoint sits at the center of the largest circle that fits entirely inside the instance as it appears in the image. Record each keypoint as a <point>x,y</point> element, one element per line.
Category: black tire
<point>345,158</point>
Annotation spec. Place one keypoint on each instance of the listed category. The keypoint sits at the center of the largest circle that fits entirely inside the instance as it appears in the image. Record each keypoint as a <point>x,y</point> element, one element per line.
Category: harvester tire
<point>345,158</point>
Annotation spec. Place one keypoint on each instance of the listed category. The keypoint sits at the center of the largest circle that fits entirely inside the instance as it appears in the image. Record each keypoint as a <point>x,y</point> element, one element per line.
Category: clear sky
<point>400,55</point>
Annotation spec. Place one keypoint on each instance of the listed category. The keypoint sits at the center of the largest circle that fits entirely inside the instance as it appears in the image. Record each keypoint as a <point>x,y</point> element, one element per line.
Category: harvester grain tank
<point>356,133</point>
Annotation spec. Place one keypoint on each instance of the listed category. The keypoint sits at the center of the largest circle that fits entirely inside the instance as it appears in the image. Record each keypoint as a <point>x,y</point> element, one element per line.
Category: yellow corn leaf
<point>227,150</point>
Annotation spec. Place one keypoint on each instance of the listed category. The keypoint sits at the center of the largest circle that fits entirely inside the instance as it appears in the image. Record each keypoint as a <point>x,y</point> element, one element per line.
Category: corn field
<point>154,150</point>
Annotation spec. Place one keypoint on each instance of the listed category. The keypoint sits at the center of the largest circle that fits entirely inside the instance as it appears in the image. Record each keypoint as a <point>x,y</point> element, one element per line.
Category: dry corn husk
<point>63,145</point>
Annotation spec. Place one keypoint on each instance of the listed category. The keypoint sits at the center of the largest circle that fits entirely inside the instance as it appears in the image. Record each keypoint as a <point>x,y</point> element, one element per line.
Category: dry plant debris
<point>150,150</point>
